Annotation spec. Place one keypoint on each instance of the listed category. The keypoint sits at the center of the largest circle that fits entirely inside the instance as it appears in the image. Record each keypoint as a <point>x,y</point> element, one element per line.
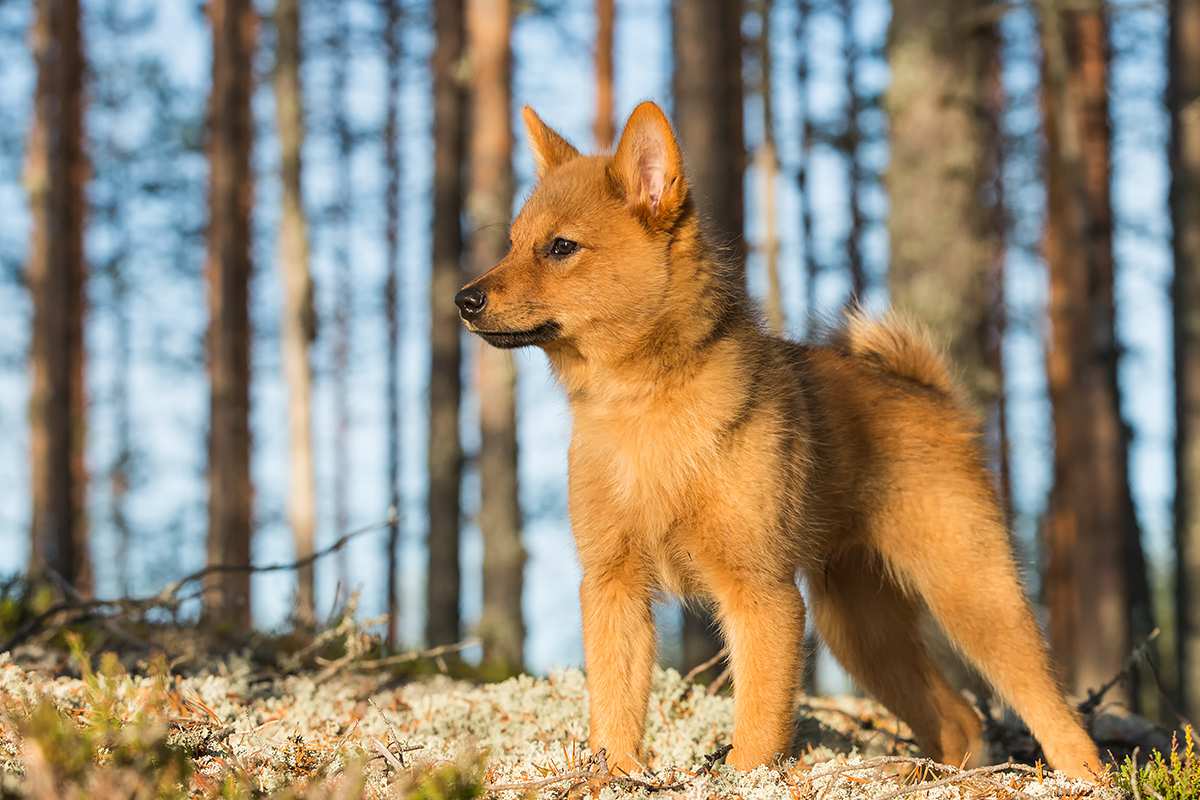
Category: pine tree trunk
<point>231,198</point>
<point>808,259</point>
<point>995,150</point>
<point>943,167</point>
<point>56,180</point>
<point>602,128</point>
<point>1183,97</point>
<point>766,164</point>
<point>443,624</point>
<point>707,85</point>
<point>392,38</point>
<point>851,140</point>
<point>489,204</point>
<point>1092,542</point>
<point>341,49</point>
<point>299,315</point>
<point>941,241</point>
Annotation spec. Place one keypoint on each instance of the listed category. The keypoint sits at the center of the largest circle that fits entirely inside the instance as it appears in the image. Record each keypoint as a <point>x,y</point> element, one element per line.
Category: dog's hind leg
<point>952,550</point>
<point>873,629</point>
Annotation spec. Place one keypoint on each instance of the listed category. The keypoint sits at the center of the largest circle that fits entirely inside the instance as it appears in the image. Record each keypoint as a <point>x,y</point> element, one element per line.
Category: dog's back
<point>866,413</point>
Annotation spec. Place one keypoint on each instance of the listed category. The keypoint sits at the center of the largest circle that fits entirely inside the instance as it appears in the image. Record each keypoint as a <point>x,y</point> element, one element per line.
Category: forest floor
<point>76,726</point>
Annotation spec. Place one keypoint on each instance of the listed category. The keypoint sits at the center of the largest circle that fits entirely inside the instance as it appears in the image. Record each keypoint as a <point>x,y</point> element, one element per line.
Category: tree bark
<point>945,247</point>
<point>851,140</point>
<point>941,241</point>
<point>443,623</point>
<point>299,314</point>
<point>603,127</point>
<point>231,198</point>
<point>707,84</point>
<point>1183,98</point>
<point>392,38</point>
<point>489,205</point>
<point>56,178</point>
<point>996,151</point>
<point>766,164</point>
<point>1092,542</point>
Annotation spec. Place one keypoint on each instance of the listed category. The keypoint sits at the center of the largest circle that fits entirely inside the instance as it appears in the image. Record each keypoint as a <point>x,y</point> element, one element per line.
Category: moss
<point>1175,776</point>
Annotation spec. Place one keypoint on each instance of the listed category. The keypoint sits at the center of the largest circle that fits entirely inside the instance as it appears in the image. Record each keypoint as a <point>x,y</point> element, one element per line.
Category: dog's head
<point>589,250</point>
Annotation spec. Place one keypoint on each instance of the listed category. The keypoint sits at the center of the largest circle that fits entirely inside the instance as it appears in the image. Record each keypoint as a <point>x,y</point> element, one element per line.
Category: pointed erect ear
<point>649,166</point>
<point>549,149</point>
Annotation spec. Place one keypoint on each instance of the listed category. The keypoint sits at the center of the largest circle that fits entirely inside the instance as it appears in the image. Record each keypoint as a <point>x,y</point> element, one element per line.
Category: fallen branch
<point>873,764</point>
<point>808,707</point>
<point>214,569</point>
<point>78,609</point>
<point>352,661</point>
<point>526,786</point>
<point>1096,696</point>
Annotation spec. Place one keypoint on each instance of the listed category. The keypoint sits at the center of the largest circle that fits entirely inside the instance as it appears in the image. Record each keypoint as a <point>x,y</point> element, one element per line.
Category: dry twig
<point>958,777</point>
<point>415,655</point>
<point>719,681</point>
<point>701,668</point>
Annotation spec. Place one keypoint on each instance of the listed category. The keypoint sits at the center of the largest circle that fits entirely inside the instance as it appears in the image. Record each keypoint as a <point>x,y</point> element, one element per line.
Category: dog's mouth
<point>546,332</point>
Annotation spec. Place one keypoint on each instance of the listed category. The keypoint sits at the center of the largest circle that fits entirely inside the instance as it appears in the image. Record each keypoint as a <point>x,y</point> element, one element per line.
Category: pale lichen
<point>271,734</point>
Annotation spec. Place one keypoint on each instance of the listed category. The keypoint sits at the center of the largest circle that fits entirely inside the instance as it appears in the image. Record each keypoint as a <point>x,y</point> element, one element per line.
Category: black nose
<point>470,302</point>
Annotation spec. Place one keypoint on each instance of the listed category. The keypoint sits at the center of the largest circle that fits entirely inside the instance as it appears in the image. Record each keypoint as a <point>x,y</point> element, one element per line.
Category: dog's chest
<point>648,468</point>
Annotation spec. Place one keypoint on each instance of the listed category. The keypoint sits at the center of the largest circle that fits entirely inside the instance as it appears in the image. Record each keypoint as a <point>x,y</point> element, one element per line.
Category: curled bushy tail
<point>901,347</point>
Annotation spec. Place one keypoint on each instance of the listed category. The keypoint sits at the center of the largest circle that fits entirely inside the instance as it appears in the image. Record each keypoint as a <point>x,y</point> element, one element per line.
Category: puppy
<point>712,460</point>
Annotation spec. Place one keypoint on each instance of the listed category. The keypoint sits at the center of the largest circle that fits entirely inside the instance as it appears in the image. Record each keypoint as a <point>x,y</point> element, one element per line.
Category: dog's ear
<point>649,167</point>
<point>549,149</point>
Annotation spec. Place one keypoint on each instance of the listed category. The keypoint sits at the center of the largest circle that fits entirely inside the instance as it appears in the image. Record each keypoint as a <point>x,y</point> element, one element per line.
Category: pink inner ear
<point>652,169</point>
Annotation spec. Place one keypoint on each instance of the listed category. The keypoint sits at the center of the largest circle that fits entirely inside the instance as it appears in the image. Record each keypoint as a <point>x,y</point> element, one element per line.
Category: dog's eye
<point>561,248</point>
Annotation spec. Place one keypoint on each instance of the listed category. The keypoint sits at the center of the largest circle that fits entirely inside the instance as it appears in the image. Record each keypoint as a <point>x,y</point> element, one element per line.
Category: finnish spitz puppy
<point>714,461</point>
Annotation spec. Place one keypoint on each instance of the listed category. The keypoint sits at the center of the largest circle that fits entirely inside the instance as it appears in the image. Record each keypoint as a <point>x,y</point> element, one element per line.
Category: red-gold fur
<point>712,460</point>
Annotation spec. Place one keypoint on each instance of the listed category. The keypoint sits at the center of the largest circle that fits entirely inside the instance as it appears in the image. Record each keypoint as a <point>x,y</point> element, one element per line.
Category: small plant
<point>448,782</point>
<point>1175,776</point>
<point>101,744</point>
<point>72,757</point>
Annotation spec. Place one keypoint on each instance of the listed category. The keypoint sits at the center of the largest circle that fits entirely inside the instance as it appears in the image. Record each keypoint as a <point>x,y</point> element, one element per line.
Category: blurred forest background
<point>231,233</point>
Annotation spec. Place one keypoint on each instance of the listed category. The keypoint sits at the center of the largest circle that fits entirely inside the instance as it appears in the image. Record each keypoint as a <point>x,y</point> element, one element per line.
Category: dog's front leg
<point>764,626</point>
<point>618,644</point>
